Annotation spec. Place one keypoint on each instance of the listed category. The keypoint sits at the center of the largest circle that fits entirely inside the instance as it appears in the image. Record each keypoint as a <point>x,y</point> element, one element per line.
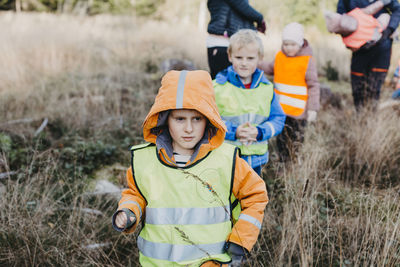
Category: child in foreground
<point>185,183</point>
<point>246,100</point>
<point>296,84</point>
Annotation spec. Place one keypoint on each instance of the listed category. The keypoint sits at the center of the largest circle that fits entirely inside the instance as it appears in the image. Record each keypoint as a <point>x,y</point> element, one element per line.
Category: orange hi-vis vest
<point>290,83</point>
<point>366,26</point>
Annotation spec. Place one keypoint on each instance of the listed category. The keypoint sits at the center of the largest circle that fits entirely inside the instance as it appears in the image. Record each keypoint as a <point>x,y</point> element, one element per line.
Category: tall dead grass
<point>47,220</point>
<point>338,204</point>
<point>80,68</point>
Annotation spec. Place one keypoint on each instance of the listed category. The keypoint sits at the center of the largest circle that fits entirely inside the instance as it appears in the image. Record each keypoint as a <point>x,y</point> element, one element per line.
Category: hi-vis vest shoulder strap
<point>366,26</point>
<point>188,213</point>
<point>290,83</point>
<point>239,106</point>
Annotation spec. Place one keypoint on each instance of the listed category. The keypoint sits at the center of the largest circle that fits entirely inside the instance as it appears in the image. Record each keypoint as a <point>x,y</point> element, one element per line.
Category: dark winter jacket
<point>345,6</point>
<point>231,16</point>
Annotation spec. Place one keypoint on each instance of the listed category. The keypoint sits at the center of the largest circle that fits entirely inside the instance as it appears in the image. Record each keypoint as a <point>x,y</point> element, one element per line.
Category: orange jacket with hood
<point>196,92</point>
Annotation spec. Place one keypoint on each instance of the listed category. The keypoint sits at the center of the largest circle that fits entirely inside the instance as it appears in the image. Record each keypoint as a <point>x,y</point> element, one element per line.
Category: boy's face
<point>244,61</point>
<point>290,48</point>
<point>186,127</point>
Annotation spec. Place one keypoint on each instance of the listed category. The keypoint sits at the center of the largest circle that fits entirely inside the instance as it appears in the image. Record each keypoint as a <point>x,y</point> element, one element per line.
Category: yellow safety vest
<point>290,83</point>
<point>238,105</point>
<point>188,213</point>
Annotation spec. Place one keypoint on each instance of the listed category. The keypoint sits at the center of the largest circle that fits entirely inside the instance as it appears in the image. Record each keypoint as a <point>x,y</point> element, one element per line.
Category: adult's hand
<point>387,33</point>
<point>261,26</point>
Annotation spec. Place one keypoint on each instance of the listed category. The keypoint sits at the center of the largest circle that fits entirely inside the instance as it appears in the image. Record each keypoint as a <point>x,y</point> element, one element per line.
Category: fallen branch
<point>6,174</point>
<point>42,126</point>
<point>27,120</point>
<point>97,245</point>
<point>85,210</point>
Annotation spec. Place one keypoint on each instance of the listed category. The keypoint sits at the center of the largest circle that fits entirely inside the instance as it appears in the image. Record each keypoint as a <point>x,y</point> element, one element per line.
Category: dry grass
<point>348,213</point>
<point>100,74</point>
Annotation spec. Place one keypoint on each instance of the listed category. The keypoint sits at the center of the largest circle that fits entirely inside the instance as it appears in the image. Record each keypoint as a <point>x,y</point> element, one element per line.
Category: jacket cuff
<point>260,134</point>
<point>234,249</point>
<point>129,223</point>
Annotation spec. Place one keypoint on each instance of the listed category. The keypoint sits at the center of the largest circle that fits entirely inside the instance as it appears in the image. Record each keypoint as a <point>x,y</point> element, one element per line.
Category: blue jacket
<point>276,117</point>
<point>231,16</point>
<point>345,6</point>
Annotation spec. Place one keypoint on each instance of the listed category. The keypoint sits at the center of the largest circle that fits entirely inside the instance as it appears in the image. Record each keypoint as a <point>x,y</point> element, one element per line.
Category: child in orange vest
<point>296,85</point>
<point>359,27</point>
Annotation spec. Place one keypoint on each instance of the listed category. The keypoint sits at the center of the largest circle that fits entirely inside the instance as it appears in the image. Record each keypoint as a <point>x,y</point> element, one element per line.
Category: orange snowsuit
<point>367,24</point>
<point>198,94</point>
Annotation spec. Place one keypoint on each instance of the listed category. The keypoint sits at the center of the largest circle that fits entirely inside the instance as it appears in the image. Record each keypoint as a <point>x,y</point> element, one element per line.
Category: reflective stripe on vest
<point>187,217</point>
<point>366,26</point>
<point>290,83</point>
<point>177,253</point>
<point>238,106</point>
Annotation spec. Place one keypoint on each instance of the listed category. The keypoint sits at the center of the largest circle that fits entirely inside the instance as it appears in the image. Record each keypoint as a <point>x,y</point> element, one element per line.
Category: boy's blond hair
<point>244,37</point>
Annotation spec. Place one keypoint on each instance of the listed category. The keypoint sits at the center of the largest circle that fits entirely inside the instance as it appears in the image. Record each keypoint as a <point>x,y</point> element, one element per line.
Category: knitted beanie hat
<point>294,32</point>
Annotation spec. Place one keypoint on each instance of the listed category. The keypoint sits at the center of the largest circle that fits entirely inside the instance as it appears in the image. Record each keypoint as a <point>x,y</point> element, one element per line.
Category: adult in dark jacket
<point>227,17</point>
<point>369,65</point>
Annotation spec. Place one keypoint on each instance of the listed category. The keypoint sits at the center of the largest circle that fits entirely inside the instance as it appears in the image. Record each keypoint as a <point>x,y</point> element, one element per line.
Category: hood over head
<point>184,90</point>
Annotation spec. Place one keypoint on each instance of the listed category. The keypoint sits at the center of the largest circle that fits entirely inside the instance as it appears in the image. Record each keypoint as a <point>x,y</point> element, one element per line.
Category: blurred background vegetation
<point>304,11</point>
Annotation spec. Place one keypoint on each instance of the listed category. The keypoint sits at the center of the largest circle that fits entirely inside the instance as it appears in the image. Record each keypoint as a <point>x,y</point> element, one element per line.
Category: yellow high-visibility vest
<point>188,213</point>
<point>239,106</point>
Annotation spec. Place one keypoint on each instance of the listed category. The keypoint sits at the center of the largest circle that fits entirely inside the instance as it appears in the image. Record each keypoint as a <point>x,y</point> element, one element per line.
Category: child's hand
<point>311,116</point>
<point>121,220</point>
<point>246,133</point>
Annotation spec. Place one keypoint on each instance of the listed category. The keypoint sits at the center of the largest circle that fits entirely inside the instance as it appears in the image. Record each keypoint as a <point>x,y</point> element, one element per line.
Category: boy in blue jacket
<point>246,100</point>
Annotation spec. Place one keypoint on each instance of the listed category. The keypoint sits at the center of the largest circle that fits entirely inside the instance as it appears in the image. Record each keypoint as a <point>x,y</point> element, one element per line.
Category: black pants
<point>217,59</point>
<point>291,138</point>
<point>368,72</point>
<point>366,88</point>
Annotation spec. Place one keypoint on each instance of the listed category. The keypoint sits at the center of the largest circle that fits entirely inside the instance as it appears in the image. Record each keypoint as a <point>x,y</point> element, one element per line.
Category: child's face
<point>290,48</point>
<point>244,61</point>
<point>186,127</point>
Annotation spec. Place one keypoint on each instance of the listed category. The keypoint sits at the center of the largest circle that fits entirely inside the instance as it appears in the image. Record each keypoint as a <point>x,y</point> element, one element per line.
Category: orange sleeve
<point>132,199</point>
<point>251,191</point>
